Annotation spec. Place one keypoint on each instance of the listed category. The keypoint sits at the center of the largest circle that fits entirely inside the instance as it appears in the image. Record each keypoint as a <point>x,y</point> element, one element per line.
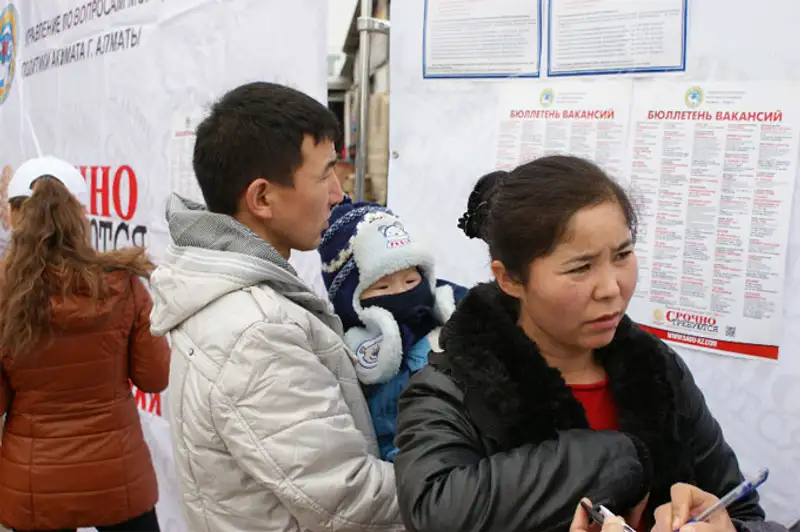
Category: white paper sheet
<point>181,151</point>
<point>713,168</point>
<point>482,38</point>
<point>588,120</point>
<point>612,36</point>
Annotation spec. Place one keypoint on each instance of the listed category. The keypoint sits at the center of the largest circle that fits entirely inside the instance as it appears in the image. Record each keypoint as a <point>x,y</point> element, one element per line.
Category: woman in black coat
<point>546,392</point>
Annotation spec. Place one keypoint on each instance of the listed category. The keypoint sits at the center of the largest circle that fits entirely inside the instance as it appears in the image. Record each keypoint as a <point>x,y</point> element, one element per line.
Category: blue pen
<point>745,488</point>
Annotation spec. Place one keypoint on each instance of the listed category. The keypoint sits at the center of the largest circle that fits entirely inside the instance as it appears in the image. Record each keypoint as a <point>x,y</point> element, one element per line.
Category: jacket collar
<point>191,224</point>
<point>212,255</point>
<point>502,370</point>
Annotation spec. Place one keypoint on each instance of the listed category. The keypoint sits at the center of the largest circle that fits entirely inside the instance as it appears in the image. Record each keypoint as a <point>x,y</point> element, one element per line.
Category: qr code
<point>730,331</point>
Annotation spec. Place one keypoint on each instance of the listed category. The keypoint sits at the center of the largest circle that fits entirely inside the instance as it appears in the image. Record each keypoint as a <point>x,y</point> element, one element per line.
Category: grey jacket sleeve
<point>716,468</point>
<point>446,482</point>
<point>758,526</point>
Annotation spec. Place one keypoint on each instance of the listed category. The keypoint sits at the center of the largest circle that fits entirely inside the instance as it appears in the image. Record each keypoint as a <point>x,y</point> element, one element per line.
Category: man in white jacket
<point>270,429</point>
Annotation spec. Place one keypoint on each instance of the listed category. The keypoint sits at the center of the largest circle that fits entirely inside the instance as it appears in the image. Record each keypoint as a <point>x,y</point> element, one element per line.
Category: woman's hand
<point>688,502</point>
<point>581,522</point>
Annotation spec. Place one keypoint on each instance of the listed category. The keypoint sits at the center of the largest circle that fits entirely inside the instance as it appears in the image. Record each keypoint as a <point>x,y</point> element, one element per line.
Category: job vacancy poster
<point>712,170</point>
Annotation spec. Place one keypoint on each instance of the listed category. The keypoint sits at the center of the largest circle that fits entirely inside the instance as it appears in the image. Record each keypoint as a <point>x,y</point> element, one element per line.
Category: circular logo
<point>368,351</point>
<point>547,98</point>
<point>8,49</point>
<point>694,97</point>
<point>658,314</point>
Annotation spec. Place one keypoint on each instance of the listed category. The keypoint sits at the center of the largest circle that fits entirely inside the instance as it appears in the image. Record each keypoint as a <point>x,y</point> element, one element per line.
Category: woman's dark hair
<point>522,215</point>
<point>50,256</point>
<point>473,220</point>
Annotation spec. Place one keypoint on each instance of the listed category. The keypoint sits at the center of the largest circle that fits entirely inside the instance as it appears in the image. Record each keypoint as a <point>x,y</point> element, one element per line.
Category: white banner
<point>100,82</point>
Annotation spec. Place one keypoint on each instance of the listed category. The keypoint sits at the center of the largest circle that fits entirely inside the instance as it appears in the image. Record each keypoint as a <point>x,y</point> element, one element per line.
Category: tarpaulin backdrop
<point>109,84</point>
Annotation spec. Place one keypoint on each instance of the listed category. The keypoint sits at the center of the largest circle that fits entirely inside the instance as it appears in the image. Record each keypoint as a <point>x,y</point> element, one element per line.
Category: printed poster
<point>616,36</point>
<point>588,120</point>
<point>713,169</point>
<point>481,38</point>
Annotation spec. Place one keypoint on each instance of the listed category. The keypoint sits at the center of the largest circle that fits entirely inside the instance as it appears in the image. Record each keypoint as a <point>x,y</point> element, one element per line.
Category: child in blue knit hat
<point>382,285</point>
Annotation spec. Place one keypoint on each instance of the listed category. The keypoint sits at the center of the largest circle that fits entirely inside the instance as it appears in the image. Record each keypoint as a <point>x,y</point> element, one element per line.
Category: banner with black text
<point>101,84</point>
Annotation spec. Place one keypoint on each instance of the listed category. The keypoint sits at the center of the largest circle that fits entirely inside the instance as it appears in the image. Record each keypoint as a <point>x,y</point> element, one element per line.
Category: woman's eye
<point>581,269</point>
<point>624,254</point>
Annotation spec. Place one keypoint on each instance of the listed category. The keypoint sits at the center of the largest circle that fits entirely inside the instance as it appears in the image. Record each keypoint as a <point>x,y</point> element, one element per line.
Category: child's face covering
<point>394,283</point>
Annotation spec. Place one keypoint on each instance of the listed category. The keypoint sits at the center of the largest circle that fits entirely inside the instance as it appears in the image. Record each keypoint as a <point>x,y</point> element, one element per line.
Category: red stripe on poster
<point>755,350</point>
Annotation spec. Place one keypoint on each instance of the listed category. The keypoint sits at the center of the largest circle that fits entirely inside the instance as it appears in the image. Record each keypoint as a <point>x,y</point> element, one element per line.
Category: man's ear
<point>507,282</point>
<point>260,199</point>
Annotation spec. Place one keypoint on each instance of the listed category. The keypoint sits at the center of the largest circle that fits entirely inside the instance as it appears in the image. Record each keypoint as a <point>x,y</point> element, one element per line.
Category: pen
<point>608,513</point>
<point>745,488</point>
<point>596,516</point>
<point>599,514</point>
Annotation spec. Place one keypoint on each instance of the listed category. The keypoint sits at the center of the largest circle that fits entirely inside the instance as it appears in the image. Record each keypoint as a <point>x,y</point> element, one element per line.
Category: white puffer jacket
<point>270,429</point>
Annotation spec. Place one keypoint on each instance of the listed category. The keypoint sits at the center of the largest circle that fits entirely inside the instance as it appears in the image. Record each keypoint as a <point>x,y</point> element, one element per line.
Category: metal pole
<point>364,38</point>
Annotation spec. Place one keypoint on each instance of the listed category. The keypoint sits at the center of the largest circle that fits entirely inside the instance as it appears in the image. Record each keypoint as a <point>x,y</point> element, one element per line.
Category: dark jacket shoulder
<point>492,388</point>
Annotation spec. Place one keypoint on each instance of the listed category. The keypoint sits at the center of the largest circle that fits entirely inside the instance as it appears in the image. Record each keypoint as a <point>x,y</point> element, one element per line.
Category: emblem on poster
<point>9,29</point>
<point>547,98</point>
<point>694,97</point>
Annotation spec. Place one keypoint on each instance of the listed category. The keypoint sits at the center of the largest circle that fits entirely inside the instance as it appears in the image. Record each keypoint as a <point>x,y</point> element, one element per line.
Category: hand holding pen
<point>693,510</point>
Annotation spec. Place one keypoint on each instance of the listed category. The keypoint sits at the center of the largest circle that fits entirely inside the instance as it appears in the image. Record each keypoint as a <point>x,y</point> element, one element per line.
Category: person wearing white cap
<point>21,184</point>
<point>74,333</point>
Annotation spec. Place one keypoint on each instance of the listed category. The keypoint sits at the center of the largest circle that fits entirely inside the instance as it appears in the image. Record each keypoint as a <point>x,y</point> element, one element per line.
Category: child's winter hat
<point>364,242</point>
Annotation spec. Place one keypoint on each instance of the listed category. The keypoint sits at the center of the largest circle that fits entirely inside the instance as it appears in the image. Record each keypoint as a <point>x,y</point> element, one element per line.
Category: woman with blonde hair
<point>74,333</point>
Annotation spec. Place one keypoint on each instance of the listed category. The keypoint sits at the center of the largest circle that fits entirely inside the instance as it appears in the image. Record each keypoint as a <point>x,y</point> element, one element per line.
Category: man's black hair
<point>256,131</point>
